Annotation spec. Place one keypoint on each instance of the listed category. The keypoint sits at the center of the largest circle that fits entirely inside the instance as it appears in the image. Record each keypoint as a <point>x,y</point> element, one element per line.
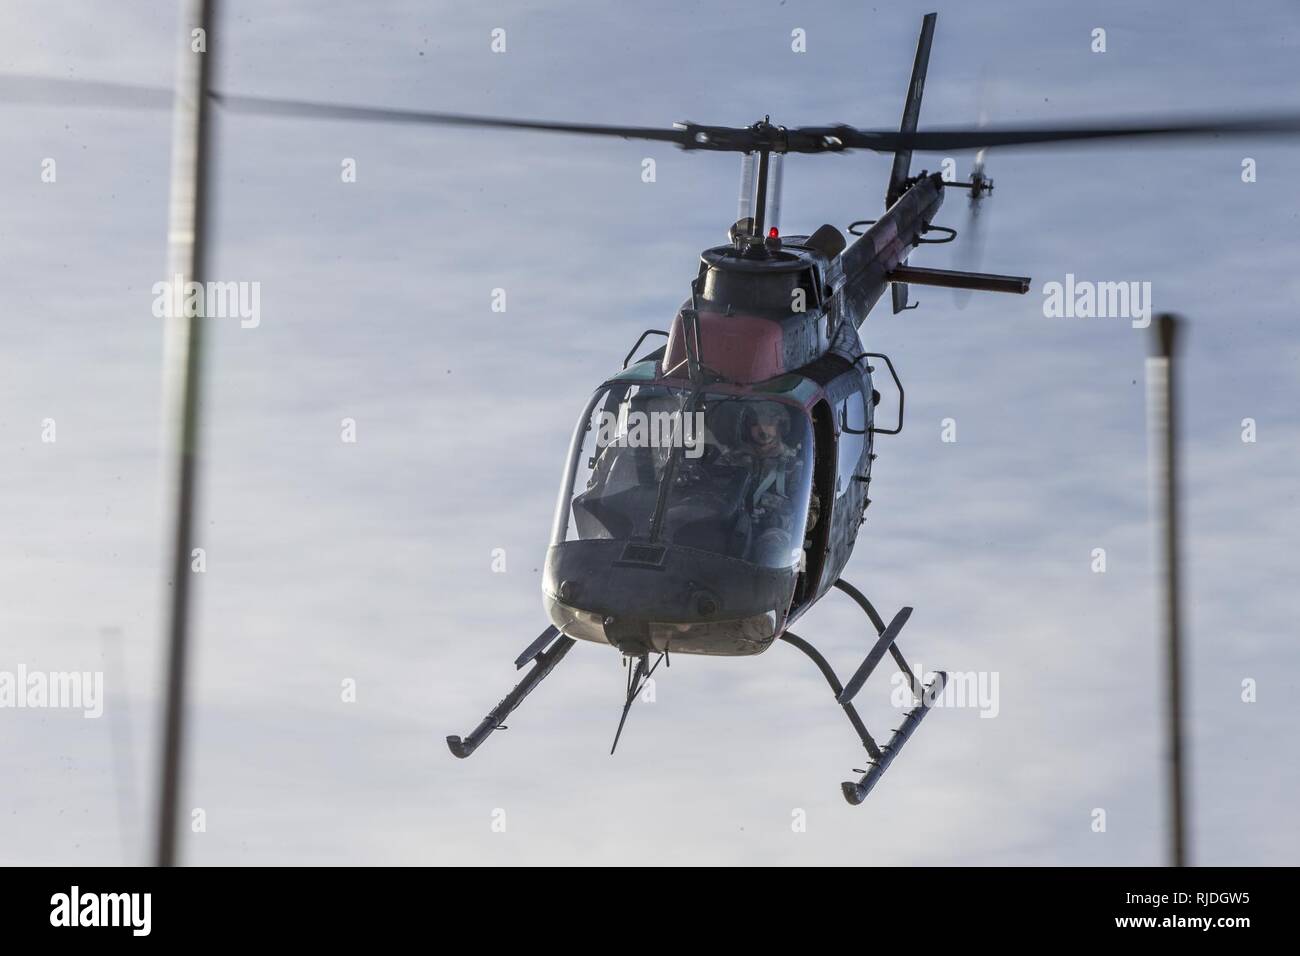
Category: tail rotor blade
<point>970,250</point>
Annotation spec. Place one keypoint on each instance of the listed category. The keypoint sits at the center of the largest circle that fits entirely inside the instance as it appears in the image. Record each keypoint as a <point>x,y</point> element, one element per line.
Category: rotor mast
<point>760,179</point>
<point>760,199</point>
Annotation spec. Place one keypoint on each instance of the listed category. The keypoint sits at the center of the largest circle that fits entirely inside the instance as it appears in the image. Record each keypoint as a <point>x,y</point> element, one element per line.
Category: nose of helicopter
<point>645,598</point>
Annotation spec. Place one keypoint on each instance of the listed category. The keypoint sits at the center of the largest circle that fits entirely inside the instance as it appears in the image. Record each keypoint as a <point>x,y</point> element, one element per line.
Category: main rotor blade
<point>691,136</point>
<point>59,91</point>
<point>56,91</point>
<point>1269,124</point>
<point>305,109</point>
<point>805,139</point>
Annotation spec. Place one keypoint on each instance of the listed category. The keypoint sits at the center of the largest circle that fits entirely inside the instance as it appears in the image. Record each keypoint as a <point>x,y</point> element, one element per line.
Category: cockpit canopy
<point>720,473</point>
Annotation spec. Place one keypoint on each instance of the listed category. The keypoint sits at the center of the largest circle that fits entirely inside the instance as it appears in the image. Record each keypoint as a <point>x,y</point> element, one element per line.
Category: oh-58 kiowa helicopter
<point>718,539</point>
<point>715,487</point>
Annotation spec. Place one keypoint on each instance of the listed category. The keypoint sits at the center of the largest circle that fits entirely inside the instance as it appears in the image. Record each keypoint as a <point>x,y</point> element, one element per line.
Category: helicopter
<point>717,539</point>
<point>716,486</point>
<point>673,547</point>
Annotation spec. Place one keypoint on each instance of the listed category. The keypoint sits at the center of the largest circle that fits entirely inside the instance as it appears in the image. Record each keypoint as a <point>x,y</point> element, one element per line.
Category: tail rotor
<point>970,251</point>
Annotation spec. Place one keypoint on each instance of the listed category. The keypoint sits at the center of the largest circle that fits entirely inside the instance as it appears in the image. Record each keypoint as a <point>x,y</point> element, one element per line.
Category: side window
<point>851,416</point>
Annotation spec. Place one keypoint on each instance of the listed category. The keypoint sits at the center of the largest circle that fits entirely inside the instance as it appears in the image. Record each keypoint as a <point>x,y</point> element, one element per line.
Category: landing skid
<point>551,646</point>
<point>544,653</point>
<point>881,757</point>
<point>544,661</point>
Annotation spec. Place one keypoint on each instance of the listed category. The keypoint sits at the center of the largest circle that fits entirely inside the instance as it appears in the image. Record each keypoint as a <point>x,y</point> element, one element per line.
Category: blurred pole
<point>1162,418</point>
<point>182,367</point>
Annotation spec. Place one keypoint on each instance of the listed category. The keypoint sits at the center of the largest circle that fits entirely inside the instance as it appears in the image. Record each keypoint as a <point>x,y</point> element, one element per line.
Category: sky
<point>372,562</point>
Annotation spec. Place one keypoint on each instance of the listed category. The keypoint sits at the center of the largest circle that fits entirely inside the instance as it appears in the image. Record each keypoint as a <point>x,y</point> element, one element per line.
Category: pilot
<point>764,426</point>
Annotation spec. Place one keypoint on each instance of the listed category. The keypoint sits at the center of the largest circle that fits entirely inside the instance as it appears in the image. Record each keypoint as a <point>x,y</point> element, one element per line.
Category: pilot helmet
<point>764,412</point>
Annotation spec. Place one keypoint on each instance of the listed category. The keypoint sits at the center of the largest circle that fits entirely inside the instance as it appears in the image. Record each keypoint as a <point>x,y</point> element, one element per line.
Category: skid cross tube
<point>545,662</point>
<point>878,623</point>
<point>534,650</point>
<point>883,643</point>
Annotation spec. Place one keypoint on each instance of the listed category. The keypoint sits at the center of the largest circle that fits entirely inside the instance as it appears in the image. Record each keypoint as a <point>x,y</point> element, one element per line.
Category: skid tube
<point>881,757</point>
<point>856,791</point>
<point>544,661</point>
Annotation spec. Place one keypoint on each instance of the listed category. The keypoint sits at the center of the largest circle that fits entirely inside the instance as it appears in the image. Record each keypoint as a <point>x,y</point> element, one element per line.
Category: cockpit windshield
<point>726,474</point>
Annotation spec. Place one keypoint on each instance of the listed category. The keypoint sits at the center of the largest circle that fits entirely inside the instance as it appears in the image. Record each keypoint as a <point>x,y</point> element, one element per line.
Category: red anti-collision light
<point>772,233</point>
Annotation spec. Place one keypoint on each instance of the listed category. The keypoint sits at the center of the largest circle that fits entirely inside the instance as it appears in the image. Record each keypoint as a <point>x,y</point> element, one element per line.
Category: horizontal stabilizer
<point>950,279</point>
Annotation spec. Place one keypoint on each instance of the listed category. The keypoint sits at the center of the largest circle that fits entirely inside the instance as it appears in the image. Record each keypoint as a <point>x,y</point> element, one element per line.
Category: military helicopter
<point>675,547</point>
<point>715,532</point>
<point>715,487</point>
